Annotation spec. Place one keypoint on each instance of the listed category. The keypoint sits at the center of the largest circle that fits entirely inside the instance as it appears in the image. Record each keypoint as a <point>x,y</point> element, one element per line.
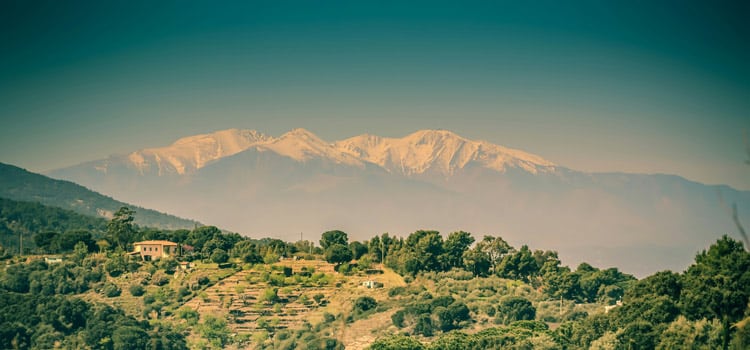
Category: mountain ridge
<point>19,184</point>
<point>429,179</point>
<point>437,150</point>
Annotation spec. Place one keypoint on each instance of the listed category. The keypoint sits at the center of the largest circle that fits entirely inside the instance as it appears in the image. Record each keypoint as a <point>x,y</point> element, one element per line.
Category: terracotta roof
<point>156,243</point>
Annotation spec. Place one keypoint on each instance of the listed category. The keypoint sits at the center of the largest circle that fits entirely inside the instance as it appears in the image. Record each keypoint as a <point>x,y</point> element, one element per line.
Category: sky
<point>601,86</point>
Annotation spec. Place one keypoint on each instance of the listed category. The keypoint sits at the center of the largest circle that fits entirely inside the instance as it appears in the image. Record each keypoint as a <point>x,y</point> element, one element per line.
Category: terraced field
<point>304,296</point>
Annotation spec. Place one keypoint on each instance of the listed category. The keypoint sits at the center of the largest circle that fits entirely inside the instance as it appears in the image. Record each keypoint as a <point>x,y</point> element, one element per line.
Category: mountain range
<point>260,185</point>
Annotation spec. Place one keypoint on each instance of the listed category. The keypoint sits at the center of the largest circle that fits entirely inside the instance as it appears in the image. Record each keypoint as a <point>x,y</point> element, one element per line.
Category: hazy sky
<point>642,86</point>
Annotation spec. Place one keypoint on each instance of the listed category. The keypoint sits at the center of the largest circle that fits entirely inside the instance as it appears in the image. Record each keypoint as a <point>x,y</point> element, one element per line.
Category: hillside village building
<point>152,250</point>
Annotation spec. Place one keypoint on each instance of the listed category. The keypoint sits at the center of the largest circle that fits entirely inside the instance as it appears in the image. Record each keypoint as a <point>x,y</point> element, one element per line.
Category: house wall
<point>156,250</point>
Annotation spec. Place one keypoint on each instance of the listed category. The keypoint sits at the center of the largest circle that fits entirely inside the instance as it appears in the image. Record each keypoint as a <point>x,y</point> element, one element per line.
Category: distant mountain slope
<point>21,185</point>
<point>431,179</point>
<point>28,218</point>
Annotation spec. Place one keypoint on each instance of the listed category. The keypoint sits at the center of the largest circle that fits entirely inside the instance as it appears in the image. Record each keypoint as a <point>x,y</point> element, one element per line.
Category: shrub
<point>396,291</point>
<point>168,265</point>
<point>159,279</point>
<point>398,342</point>
<point>188,314</point>
<point>203,280</point>
<point>489,310</point>
<point>136,290</point>
<point>111,290</point>
<point>219,256</point>
<point>424,326</point>
<point>443,301</point>
<point>269,296</point>
<point>365,303</point>
<point>398,318</point>
<point>515,309</point>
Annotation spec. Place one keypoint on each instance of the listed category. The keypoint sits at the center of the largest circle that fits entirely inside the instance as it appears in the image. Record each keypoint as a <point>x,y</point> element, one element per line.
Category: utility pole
<point>560,304</point>
<point>20,235</point>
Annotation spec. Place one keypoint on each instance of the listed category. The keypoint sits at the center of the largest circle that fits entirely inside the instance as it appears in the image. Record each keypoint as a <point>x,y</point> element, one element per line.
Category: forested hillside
<point>42,226</point>
<point>21,185</point>
<point>422,291</point>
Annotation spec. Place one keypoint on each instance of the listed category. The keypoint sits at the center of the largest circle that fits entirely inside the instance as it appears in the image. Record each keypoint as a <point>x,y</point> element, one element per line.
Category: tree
<point>374,246</point>
<point>44,240</point>
<point>219,256</point>
<point>120,229</point>
<point>476,262</point>
<point>201,235</point>
<point>515,309</point>
<point>453,315</point>
<point>215,330</point>
<point>338,254</point>
<point>424,325</point>
<point>129,337</point>
<point>666,283</point>
<point>427,247</point>
<point>68,240</point>
<point>330,238</point>
<point>454,248</point>
<point>494,249</point>
<point>718,284</point>
<point>247,251</point>
<point>453,341</point>
<point>519,265</point>
<point>358,249</point>
<point>398,342</point>
<point>637,335</point>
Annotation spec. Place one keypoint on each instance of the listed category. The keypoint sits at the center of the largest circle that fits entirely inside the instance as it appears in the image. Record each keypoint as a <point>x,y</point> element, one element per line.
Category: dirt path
<point>360,334</point>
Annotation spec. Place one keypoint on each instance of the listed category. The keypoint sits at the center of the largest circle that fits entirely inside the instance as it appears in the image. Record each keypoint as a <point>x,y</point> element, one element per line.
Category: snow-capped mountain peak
<point>439,151</point>
<point>193,152</point>
<point>302,145</point>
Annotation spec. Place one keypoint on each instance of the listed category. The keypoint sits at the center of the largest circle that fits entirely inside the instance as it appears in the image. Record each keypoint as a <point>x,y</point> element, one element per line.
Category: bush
<point>203,280</point>
<point>269,296</point>
<point>489,310</point>
<point>159,279</point>
<point>111,290</point>
<point>396,291</point>
<point>189,315</point>
<point>424,326</point>
<point>136,290</point>
<point>219,256</point>
<point>168,265</point>
<point>443,301</point>
<point>515,309</point>
<point>365,303</point>
<point>398,318</point>
<point>398,342</point>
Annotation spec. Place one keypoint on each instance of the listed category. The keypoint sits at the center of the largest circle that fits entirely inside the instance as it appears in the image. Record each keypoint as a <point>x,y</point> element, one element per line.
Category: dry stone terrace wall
<point>238,298</point>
